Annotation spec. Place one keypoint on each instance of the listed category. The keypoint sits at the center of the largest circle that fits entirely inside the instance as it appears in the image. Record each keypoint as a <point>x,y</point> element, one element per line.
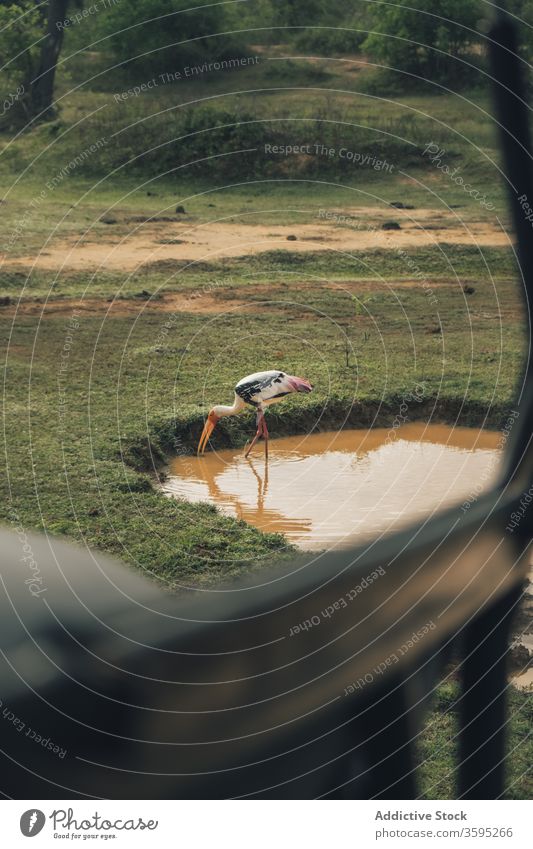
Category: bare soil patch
<point>252,298</point>
<point>161,239</point>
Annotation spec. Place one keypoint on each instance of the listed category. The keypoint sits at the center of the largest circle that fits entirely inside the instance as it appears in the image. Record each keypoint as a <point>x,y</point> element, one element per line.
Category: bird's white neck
<point>238,405</point>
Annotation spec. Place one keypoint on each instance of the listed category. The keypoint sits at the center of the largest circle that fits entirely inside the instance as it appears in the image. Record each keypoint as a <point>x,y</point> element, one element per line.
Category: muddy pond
<point>331,489</point>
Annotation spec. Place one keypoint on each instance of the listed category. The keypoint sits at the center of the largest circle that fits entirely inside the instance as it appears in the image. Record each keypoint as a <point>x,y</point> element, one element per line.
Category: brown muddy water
<point>331,489</point>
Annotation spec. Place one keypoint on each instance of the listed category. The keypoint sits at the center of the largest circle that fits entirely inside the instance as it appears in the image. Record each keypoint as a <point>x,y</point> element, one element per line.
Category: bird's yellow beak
<point>209,427</point>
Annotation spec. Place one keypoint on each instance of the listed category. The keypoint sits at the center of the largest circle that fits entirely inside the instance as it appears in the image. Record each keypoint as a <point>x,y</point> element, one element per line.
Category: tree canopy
<point>424,37</point>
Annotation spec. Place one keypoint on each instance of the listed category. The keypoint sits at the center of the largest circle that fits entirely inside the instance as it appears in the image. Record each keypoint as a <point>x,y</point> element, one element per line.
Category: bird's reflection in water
<point>323,489</point>
<point>248,504</point>
<point>262,484</point>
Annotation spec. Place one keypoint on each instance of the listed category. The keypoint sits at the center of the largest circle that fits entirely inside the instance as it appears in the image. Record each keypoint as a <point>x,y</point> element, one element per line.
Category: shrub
<point>210,137</point>
<point>424,37</point>
<point>329,41</point>
<point>165,35</point>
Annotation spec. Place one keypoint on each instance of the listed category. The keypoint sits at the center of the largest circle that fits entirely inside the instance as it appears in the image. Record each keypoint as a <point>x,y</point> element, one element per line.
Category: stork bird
<point>259,391</point>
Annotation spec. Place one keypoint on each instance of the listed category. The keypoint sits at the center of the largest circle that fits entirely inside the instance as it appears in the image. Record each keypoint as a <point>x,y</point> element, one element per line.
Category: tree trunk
<point>42,90</point>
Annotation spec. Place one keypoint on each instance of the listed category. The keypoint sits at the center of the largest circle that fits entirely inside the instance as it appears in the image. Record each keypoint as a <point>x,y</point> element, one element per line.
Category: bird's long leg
<point>252,443</point>
<point>258,433</point>
<point>265,433</point>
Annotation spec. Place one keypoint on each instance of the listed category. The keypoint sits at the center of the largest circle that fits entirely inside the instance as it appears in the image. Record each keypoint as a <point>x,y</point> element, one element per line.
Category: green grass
<point>438,746</point>
<point>78,206</point>
<point>225,278</point>
<point>324,102</point>
<point>81,453</point>
<point>131,390</point>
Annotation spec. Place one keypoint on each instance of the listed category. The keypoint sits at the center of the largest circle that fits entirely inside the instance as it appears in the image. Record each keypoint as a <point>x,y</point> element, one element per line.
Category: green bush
<point>212,139</point>
<point>426,38</point>
<point>164,35</point>
<point>330,41</point>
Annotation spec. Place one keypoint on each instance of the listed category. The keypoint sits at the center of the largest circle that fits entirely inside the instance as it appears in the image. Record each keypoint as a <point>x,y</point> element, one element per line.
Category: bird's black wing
<point>248,390</point>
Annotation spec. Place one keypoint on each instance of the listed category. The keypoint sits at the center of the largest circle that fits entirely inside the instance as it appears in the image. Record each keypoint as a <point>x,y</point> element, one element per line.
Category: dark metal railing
<point>311,681</point>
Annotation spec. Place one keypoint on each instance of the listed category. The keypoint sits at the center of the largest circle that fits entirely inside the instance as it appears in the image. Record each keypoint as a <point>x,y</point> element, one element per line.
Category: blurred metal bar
<point>513,117</point>
<point>214,697</point>
<point>483,704</point>
<point>483,720</point>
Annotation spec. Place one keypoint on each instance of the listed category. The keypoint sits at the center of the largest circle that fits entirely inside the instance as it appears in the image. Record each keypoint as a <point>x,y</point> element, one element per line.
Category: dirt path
<point>128,244</point>
<point>171,302</point>
<point>194,301</point>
